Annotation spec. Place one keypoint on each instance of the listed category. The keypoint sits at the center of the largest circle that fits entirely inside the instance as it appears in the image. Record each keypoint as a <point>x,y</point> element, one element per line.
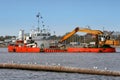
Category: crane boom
<point>86,30</point>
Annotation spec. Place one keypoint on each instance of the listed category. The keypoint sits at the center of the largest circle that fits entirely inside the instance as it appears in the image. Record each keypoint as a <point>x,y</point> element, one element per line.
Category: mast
<point>38,16</point>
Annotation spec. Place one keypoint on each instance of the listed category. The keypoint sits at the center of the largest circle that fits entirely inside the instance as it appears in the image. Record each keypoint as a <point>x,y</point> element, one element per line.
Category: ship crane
<point>86,30</point>
<point>105,39</point>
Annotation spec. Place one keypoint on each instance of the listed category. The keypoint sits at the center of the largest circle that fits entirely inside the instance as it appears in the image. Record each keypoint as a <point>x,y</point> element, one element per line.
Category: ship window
<point>44,37</point>
<point>44,34</point>
<point>48,34</point>
<point>38,34</point>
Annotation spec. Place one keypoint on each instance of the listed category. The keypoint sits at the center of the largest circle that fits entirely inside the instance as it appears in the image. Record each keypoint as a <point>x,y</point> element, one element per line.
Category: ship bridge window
<point>44,37</point>
<point>48,34</point>
<point>44,34</point>
<point>38,34</point>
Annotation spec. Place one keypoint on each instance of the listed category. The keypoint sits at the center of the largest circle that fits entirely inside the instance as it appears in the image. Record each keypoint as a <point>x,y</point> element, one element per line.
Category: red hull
<point>95,50</point>
<point>23,49</point>
<point>48,50</point>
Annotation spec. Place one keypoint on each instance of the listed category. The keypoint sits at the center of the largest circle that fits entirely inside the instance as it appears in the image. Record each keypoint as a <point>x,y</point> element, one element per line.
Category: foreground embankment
<point>59,69</point>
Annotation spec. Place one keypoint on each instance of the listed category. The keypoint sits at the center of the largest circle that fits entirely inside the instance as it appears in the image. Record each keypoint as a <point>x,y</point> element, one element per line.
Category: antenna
<point>38,16</point>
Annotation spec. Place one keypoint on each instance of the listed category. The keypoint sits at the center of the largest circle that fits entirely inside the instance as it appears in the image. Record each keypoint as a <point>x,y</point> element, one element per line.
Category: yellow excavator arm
<point>94,32</point>
<point>86,30</point>
<point>69,34</point>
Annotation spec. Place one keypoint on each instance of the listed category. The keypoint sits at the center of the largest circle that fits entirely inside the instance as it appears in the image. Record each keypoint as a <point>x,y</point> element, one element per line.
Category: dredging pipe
<point>58,69</point>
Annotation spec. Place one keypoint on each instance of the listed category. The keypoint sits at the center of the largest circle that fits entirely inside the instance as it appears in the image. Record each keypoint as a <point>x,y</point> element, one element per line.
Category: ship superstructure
<point>41,34</point>
<point>39,41</point>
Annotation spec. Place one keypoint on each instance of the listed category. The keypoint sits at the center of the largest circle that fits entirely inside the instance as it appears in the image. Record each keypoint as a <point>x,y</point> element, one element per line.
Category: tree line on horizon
<point>74,38</point>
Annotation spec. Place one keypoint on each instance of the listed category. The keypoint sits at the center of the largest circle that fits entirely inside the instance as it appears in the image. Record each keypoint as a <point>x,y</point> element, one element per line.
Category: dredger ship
<point>32,44</point>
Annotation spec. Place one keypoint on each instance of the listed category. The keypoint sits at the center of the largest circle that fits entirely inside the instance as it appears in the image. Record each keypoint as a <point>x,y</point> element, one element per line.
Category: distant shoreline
<point>3,46</point>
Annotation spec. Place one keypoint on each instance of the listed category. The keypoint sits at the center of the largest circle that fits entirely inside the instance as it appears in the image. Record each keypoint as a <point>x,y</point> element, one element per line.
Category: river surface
<point>111,61</point>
